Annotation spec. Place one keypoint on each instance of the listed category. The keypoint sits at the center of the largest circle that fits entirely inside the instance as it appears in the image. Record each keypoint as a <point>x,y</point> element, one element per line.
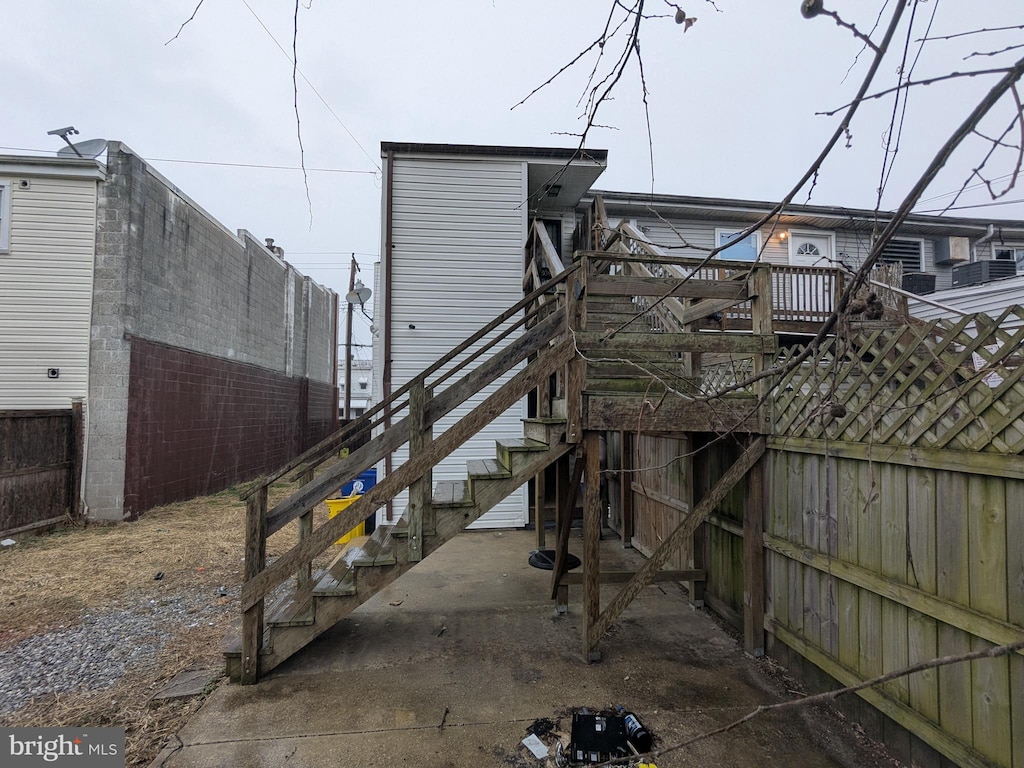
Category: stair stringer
<point>282,642</point>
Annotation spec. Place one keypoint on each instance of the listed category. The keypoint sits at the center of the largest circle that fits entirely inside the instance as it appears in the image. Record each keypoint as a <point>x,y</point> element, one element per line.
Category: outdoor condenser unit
<point>982,272</point>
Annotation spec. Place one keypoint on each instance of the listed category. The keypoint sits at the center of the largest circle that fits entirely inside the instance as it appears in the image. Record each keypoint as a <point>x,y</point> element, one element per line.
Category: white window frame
<point>5,215</point>
<point>732,232</point>
<point>1018,255</point>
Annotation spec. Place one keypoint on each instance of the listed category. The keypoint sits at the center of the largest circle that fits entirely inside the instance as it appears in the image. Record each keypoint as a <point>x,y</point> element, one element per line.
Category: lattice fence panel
<point>955,385</point>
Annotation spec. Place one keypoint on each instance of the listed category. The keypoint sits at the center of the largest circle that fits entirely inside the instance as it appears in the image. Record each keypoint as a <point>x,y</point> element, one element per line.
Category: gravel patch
<point>105,646</point>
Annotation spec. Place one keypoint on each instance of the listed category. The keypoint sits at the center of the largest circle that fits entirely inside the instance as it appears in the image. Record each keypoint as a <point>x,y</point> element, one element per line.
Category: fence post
<point>753,562</point>
<point>255,561</point>
<point>77,456</point>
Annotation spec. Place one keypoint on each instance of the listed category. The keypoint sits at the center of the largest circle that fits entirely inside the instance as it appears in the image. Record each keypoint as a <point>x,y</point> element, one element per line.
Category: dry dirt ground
<point>50,583</point>
<point>67,579</point>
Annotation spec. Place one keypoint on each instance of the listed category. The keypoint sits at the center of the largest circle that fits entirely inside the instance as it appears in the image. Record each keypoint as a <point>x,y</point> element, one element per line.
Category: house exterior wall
<point>45,286</point>
<point>205,306</point>
<point>458,230</point>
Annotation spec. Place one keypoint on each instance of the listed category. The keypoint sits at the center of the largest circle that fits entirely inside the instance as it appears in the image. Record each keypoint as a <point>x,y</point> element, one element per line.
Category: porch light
<point>783,235</point>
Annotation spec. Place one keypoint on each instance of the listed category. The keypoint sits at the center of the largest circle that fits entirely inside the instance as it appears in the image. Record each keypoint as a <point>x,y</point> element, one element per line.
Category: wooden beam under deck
<point>672,415</point>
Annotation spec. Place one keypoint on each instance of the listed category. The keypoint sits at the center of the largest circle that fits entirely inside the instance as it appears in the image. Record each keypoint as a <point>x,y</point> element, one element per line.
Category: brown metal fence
<point>40,467</point>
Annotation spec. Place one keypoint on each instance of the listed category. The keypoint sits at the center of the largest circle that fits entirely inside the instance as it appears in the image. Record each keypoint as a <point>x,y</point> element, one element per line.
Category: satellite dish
<point>89,149</point>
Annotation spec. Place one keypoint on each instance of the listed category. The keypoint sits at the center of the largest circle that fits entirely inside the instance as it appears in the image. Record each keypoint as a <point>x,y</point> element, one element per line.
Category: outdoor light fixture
<point>783,235</point>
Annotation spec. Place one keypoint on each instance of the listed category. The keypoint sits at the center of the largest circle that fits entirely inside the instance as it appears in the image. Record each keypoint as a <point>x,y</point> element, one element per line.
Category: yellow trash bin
<point>336,507</point>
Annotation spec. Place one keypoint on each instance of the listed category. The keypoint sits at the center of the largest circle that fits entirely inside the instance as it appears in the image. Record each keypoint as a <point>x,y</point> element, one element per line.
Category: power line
<point>312,87</point>
<point>979,205</point>
<point>218,162</point>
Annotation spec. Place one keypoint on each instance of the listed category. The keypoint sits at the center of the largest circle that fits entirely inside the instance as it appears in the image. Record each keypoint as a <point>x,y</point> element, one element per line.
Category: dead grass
<point>47,582</point>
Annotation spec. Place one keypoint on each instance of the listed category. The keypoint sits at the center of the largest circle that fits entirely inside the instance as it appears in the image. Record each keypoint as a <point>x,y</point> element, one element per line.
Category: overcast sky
<point>732,100</point>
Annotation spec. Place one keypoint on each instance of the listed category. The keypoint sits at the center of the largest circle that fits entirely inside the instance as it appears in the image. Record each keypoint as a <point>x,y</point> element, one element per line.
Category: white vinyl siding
<point>46,279</point>
<point>458,229</point>
<point>5,215</point>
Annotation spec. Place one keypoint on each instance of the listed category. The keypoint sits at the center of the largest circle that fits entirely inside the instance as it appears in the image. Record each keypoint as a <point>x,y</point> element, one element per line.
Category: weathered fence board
<point>38,468</point>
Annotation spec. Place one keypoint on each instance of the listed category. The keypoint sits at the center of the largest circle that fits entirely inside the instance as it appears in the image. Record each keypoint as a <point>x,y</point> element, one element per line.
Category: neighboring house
<point>932,250</point>
<point>456,220</point>
<point>362,379</point>
<point>202,357</point>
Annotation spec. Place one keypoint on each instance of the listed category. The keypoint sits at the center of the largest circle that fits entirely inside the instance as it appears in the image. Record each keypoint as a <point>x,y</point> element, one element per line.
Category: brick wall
<point>169,274</point>
<point>198,424</point>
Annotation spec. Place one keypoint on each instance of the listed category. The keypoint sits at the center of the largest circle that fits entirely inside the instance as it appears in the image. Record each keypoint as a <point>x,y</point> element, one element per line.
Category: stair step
<point>293,610</point>
<point>328,586</point>
<point>514,452</point>
<point>454,493</point>
<point>485,469</point>
<point>545,430</point>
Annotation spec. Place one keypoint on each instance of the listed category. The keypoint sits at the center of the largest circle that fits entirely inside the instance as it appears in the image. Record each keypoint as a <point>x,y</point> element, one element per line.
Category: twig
<point>186,21</point>
<point>910,84</point>
<point>821,698</point>
<point>298,121</point>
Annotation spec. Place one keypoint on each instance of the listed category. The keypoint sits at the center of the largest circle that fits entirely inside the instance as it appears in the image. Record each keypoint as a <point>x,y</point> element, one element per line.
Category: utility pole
<point>348,339</point>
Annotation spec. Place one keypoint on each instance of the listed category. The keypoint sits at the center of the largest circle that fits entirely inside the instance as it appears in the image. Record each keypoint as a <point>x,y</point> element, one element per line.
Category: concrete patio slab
<point>452,663</point>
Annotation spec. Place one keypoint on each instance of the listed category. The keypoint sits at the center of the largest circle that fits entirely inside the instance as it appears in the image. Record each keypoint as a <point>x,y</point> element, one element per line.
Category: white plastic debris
<point>535,745</point>
<point>8,542</point>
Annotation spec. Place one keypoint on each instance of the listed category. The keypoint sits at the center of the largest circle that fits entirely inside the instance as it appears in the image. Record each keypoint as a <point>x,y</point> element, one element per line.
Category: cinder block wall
<point>188,313</point>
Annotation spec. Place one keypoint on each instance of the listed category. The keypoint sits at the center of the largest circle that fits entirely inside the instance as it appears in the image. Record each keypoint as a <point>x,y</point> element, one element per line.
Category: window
<point>363,384</point>
<point>745,250</point>
<point>5,216</point>
<point>1014,254</point>
<point>905,252</point>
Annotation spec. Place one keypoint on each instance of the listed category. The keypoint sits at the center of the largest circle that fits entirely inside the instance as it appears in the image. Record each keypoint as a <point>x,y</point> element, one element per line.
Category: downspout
<point>986,238</point>
<point>388,246</point>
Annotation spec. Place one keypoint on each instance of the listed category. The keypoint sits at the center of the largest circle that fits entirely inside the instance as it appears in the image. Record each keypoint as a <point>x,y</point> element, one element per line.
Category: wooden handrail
<point>317,453</point>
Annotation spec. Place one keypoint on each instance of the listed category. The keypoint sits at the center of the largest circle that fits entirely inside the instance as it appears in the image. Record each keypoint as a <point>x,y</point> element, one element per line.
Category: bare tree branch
<point>194,12</point>
<point>298,121</point>
<point>994,53</point>
<point>928,81</point>
<point>971,32</point>
<point>828,696</point>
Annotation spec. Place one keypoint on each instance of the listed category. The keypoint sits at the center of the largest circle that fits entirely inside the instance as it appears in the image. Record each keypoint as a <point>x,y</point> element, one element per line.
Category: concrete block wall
<point>169,273</point>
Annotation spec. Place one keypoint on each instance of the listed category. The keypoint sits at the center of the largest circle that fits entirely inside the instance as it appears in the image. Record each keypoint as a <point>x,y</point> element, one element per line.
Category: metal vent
<point>905,252</point>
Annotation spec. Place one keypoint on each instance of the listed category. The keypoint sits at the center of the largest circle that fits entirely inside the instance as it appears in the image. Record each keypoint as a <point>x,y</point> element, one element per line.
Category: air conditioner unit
<point>952,250</point>
<point>982,272</point>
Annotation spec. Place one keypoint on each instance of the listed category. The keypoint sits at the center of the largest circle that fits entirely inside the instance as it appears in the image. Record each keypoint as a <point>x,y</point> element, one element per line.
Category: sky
<point>733,101</point>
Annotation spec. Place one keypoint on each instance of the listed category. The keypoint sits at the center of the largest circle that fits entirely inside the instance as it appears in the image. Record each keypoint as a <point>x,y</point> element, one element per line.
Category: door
<point>809,288</point>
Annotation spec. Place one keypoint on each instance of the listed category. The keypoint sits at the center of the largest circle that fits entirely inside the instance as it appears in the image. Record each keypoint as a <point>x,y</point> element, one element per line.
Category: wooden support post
<point>576,368</point>
<point>562,599</point>
<point>684,530</point>
<point>591,547</point>
<point>540,491</point>
<point>566,508</point>
<point>753,562</point>
<point>421,490</point>
<point>540,514</point>
<point>628,447</point>
<point>305,574</point>
<point>255,561</point>
<point>760,292</point>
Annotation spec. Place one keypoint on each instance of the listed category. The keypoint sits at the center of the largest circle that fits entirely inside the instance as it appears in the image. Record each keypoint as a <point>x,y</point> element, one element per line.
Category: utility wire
<point>312,87</point>
<point>216,162</point>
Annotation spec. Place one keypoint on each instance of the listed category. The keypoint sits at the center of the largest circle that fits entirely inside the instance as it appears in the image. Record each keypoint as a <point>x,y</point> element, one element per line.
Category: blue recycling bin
<point>361,484</point>
<point>357,487</point>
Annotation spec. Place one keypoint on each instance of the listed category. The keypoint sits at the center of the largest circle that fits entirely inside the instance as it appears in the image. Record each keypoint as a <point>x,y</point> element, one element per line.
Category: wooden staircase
<point>367,564</point>
<point>521,351</point>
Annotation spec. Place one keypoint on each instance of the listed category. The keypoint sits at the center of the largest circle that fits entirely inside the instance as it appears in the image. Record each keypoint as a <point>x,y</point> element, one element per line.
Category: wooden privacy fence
<point>894,531</point>
<point>40,467</point>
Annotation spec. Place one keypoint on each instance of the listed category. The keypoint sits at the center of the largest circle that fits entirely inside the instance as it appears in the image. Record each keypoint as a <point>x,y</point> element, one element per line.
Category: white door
<point>809,292</point>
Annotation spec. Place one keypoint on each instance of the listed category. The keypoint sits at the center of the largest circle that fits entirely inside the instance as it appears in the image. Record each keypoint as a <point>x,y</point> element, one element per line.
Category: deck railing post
<point>305,573</point>
<point>577,320</point>
<point>421,490</point>
<point>255,561</point>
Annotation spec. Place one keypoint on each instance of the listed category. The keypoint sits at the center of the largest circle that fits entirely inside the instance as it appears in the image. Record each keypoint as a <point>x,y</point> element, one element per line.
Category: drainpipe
<point>386,305</point>
<point>986,238</point>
